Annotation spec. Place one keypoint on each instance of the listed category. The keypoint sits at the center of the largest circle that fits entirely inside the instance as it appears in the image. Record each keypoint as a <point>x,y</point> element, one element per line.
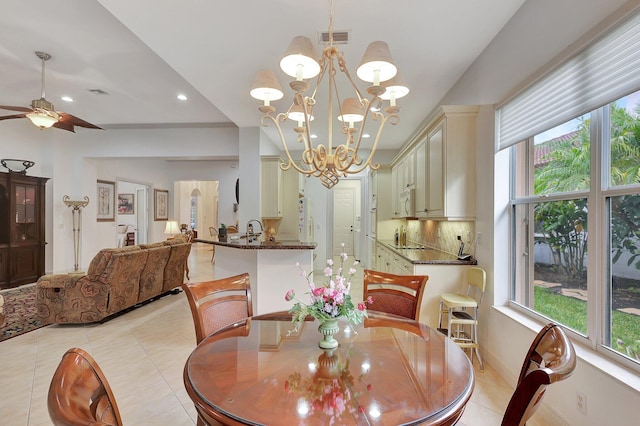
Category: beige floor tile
<point>142,354</point>
<point>140,406</point>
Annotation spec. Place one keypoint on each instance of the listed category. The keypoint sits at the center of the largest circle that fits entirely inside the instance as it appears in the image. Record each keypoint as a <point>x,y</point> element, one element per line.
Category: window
<point>576,226</point>
<point>574,136</point>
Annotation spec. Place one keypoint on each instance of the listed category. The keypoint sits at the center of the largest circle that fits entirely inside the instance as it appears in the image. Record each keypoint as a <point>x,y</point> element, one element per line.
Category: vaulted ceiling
<point>143,53</point>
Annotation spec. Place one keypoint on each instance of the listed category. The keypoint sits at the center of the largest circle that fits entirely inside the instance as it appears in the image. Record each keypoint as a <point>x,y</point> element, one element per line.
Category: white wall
<point>74,162</point>
<point>540,30</point>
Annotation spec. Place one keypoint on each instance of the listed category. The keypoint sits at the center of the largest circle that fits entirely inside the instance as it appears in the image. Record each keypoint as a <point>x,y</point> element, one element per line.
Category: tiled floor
<point>142,354</point>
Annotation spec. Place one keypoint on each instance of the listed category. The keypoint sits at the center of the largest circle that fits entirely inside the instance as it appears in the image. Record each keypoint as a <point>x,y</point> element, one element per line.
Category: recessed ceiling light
<point>182,97</point>
<point>314,136</point>
<point>366,135</point>
<point>67,98</point>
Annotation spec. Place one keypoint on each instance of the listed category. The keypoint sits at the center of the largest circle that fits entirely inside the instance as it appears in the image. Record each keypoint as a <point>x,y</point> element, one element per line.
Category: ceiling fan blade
<point>9,117</point>
<point>64,126</point>
<point>74,121</point>
<point>16,108</point>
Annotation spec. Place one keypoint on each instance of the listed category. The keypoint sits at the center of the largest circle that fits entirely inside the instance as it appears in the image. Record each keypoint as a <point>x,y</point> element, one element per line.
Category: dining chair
<point>79,393</point>
<point>551,358</point>
<point>395,294</point>
<point>462,312</point>
<point>213,232</point>
<point>218,303</point>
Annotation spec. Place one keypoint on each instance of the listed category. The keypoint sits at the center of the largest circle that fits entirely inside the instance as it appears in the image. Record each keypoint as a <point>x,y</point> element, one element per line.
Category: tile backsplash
<point>441,235</point>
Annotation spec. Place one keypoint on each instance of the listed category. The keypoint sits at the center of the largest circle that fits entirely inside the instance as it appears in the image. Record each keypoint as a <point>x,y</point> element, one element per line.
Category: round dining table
<point>266,370</point>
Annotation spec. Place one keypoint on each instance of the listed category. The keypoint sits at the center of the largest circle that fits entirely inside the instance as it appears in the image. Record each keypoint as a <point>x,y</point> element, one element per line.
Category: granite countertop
<point>260,245</point>
<point>421,255</point>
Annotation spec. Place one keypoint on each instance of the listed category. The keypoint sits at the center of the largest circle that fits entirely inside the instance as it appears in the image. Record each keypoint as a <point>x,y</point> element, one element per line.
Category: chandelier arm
<point>307,121</point>
<point>393,118</point>
<point>290,162</point>
<point>320,158</point>
<point>363,123</point>
<point>343,68</point>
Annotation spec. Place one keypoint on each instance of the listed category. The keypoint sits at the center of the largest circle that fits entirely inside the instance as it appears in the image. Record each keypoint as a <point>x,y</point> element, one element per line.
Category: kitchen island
<point>271,267</point>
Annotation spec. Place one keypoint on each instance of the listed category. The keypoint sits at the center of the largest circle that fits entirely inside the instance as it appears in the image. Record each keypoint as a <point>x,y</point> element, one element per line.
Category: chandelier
<point>330,161</point>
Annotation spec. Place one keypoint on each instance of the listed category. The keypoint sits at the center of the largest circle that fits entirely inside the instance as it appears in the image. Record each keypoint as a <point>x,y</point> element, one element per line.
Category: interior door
<point>343,220</point>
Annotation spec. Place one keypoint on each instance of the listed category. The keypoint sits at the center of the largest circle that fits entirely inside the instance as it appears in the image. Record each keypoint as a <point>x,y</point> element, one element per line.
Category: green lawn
<point>572,313</point>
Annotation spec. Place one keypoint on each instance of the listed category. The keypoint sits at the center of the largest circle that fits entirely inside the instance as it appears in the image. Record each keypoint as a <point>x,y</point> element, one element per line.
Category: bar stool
<point>462,313</point>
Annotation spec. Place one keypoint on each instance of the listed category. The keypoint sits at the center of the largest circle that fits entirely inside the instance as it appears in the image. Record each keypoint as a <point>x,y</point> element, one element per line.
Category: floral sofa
<point>117,279</point>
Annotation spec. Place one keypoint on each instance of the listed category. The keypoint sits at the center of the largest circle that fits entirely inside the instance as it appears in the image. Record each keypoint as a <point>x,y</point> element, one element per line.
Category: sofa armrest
<point>71,298</point>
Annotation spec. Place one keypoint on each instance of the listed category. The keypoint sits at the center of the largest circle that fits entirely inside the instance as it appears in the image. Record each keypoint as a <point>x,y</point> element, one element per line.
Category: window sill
<point>584,353</point>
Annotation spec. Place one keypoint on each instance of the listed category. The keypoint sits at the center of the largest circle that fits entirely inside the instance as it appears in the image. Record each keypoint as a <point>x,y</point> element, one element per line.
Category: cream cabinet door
<point>435,170</point>
<point>422,182</point>
<point>271,197</point>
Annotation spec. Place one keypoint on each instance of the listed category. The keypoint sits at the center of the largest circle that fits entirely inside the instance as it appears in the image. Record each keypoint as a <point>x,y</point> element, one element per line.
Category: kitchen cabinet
<point>443,278</point>
<point>271,185</point>
<point>404,178</point>
<point>422,182</point>
<point>446,165</point>
<point>381,182</point>
<point>22,243</point>
<point>395,192</point>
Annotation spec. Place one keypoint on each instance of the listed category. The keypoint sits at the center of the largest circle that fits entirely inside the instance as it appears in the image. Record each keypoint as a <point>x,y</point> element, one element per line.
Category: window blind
<point>604,71</point>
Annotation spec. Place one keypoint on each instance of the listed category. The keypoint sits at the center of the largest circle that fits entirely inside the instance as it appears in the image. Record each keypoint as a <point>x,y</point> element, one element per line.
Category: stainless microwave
<point>408,203</point>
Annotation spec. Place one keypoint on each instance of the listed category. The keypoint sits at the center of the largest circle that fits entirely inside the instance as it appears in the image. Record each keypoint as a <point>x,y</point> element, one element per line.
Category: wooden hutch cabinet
<point>22,226</point>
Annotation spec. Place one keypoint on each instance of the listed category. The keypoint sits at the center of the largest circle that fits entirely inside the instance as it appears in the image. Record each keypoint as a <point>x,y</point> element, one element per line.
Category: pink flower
<point>318,291</point>
<point>290,295</point>
<point>370,300</point>
<point>361,306</point>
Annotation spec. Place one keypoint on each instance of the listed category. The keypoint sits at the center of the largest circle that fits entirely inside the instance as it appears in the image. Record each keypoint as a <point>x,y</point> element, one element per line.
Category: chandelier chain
<point>330,22</point>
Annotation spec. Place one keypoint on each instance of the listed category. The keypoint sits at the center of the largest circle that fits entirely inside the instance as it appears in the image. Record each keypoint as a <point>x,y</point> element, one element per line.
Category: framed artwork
<point>125,203</point>
<point>160,204</point>
<point>106,201</point>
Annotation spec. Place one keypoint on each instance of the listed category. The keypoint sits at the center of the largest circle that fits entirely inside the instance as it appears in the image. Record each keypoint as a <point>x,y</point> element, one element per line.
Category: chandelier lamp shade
<point>327,160</point>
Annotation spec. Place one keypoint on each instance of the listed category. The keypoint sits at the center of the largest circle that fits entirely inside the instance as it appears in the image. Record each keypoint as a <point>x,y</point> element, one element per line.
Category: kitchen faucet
<point>251,236</point>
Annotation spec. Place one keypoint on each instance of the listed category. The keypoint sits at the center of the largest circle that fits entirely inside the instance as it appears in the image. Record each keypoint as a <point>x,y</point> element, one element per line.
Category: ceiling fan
<point>42,113</point>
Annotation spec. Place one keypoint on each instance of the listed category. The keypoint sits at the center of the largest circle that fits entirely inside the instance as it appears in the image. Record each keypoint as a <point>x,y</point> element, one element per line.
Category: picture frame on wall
<point>160,204</point>
<point>106,196</point>
<point>126,203</point>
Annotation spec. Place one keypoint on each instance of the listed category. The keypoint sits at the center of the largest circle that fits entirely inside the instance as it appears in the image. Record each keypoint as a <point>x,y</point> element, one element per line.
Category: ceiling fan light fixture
<point>42,119</point>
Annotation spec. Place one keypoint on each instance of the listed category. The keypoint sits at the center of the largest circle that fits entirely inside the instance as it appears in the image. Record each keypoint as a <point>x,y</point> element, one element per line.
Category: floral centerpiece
<point>329,301</point>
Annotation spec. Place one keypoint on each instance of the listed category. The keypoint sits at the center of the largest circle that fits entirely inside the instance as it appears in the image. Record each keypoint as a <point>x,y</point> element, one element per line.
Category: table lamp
<point>171,229</point>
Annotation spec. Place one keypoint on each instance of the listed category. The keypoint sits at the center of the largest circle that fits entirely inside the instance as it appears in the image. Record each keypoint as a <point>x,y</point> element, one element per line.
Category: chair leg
<point>477,346</point>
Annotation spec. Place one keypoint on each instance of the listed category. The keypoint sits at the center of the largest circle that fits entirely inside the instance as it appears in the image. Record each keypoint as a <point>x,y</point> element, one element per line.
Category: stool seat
<point>454,300</point>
